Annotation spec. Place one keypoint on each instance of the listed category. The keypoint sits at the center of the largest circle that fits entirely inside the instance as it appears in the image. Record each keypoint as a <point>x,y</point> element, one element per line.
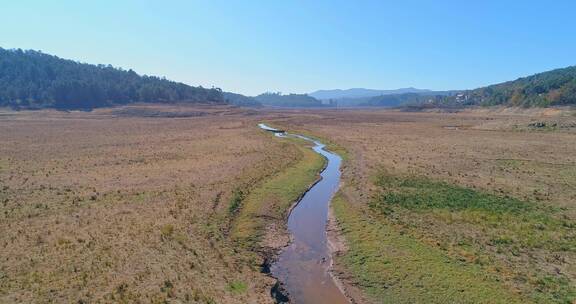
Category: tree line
<point>290,100</point>
<point>552,88</point>
<point>31,79</point>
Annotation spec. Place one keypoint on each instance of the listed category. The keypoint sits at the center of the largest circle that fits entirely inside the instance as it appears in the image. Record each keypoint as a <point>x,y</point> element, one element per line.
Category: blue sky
<point>300,46</point>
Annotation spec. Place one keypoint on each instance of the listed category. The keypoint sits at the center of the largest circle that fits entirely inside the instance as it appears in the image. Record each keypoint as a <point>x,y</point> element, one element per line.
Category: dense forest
<point>241,100</point>
<point>290,100</point>
<point>556,87</point>
<point>32,79</point>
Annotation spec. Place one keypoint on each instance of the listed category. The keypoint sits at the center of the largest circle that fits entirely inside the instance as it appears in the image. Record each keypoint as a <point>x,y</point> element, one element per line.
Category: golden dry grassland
<point>470,207</point>
<point>132,204</point>
<point>158,204</point>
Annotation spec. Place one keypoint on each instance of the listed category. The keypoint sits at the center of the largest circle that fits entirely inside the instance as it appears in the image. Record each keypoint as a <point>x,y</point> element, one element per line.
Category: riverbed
<point>303,266</point>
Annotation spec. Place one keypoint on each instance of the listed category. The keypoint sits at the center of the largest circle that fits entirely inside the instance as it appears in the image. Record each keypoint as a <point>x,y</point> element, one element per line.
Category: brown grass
<point>115,206</point>
<point>134,204</point>
<point>497,152</point>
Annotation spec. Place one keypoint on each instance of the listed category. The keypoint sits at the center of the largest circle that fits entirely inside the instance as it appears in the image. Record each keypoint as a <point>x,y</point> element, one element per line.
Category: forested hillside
<point>241,100</point>
<point>556,87</point>
<point>290,100</point>
<point>32,79</point>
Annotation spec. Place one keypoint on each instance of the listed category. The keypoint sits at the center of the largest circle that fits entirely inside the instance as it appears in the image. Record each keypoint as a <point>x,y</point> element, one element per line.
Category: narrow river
<point>303,266</point>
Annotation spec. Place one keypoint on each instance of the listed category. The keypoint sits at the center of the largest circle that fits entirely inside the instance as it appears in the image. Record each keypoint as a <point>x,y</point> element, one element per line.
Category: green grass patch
<point>271,200</point>
<point>422,193</point>
<point>554,289</point>
<point>483,228</point>
<point>236,201</point>
<point>237,287</point>
<point>392,267</point>
<point>505,221</point>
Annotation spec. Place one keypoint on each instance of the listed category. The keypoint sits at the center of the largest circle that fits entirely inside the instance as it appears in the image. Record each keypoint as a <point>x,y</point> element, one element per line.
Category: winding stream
<point>303,266</point>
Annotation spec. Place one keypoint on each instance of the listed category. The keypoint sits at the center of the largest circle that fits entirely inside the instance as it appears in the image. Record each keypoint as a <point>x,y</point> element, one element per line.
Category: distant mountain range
<point>361,93</point>
<point>551,88</point>
<point>359,97</point>
<point>395,100</point>
<point>33,80</point>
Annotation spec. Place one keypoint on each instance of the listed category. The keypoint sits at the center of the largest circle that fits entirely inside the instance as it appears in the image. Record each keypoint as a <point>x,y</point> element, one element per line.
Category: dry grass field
<point>470,207</point>
<point>132,204</point>
<point>169,204</point>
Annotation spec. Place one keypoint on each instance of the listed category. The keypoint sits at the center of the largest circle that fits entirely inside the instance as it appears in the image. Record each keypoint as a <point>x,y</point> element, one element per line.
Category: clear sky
<point>300,46</point>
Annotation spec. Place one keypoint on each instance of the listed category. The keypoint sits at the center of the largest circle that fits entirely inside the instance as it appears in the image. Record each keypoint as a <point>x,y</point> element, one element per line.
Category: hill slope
<point>32,79</point>
<point>556,87</point>
<point>241,100</point>
<point>360,93</point>
<point>393,100</point>
<point>290,100</point>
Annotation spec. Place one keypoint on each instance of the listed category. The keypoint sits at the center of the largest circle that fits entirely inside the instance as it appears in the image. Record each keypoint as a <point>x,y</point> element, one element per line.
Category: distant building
<point>461,97</point>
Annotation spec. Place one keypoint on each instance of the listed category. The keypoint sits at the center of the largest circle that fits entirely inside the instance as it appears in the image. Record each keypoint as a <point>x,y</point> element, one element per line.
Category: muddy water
<point>302,267</point>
